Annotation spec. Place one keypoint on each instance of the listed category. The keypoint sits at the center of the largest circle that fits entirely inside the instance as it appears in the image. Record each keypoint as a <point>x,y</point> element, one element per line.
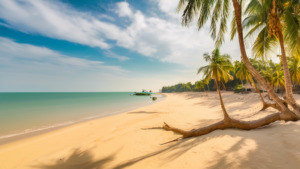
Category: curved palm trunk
<point>275,29</point>
<point>265,105</point>
<point>256,75</point>
<point>287,79</point>
<point>226,116</point>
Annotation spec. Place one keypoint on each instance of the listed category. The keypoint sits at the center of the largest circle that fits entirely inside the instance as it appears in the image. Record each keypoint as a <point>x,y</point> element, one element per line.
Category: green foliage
<point>277,79</point>
<point>294,63</point>
<point>218,68</point>
<point>180,87</point>
<point>238,88</point>
<point>256,17</point>
<point>185,88</point>
<point>270,71</point>
<point>200,84</point>
<point>217,10</point>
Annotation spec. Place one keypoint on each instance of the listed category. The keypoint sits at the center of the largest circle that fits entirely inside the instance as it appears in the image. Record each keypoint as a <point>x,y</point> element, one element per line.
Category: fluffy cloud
<point>163,37</point>
<point>58,20</point>
<point>156,36</point>
<point>29,54</point>
<point>123,9</point>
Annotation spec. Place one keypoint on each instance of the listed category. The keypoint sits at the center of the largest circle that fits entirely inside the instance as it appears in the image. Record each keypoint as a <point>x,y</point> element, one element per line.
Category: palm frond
<point>264,44</point>
<point>223,23</point>
<point>233,27</point>
<point>215,18</point>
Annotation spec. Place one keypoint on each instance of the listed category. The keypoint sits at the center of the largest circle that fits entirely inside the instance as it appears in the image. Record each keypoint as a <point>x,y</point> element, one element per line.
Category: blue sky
<point>99,45</point>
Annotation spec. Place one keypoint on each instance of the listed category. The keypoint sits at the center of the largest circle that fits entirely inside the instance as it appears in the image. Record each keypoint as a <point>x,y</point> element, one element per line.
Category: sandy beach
<point>121,141</point>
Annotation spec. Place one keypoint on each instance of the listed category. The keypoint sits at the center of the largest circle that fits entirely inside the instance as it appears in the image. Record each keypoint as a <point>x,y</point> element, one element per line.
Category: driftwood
<point>228,123</point>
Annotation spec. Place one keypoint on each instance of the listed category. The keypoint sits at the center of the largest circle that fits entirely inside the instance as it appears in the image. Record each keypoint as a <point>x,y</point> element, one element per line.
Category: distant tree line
<point>270,71</point>
<point>189,87</point>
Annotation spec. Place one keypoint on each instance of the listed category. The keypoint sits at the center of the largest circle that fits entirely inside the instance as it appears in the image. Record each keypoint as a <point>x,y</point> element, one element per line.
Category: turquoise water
<point>28,112</point>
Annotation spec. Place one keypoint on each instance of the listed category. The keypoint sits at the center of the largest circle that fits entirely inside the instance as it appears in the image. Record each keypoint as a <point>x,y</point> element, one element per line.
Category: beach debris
<point>152,128</point>
<point>180,138</point>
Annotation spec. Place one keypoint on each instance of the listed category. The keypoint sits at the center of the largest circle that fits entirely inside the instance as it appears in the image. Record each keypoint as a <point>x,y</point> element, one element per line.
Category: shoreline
<point>5,139</point>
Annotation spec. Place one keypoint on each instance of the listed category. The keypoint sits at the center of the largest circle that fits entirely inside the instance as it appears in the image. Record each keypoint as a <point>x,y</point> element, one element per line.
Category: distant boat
<point>143,93</point>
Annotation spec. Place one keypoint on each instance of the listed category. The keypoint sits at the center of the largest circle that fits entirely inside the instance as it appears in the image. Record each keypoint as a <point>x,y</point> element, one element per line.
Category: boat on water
<point>143,93</point>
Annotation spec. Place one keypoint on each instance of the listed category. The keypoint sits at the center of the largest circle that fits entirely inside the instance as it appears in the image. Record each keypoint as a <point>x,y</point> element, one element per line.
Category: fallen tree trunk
<point>232,123</point>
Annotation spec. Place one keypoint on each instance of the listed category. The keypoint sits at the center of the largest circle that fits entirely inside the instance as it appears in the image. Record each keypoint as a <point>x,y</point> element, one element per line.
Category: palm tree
<point>218,69</point>
<point>294,63</point>
<point>267,16</point>
<point>243,73</point>
<point>276,30</point>
<point>185,88</point>
<point>296,113</point>
<point>277,80</point>
<point>267,74</point>
<point>256,20</point>
<point>201,85</point>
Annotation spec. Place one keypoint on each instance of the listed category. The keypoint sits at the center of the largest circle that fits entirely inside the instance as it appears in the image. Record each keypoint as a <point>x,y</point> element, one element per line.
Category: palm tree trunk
<point>265,105</point>
<point>226,116</point>
<point>275,29</point>
<point>256,75</point>
<point>258,91</point>
<point>287,78</point>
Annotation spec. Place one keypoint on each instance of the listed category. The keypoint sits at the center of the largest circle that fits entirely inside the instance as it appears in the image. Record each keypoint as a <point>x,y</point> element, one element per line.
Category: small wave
<point>35,130</point>
<point>27,131</point>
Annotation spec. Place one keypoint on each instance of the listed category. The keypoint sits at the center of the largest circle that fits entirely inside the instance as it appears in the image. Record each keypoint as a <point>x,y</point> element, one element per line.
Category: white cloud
<point>159,37</point>
<point>58,20</point>
<point>5,25</point>
<point>17,52</point>
<point>114,55</point>
<point>34,60</point>
<point>101,16</point>
<point>123,9</point>
<point>168,6</point>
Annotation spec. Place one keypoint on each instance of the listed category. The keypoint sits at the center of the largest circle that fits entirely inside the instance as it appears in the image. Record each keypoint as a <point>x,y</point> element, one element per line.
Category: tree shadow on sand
<point>78,160</point>
<point>179,149</point>
<point>247,149</point>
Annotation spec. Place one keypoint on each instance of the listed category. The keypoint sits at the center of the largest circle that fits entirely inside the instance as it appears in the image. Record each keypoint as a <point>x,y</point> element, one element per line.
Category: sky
<point>99,46</point>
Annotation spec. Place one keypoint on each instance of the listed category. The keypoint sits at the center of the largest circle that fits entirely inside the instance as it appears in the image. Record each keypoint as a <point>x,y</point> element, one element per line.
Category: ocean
<point>22,113</point>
